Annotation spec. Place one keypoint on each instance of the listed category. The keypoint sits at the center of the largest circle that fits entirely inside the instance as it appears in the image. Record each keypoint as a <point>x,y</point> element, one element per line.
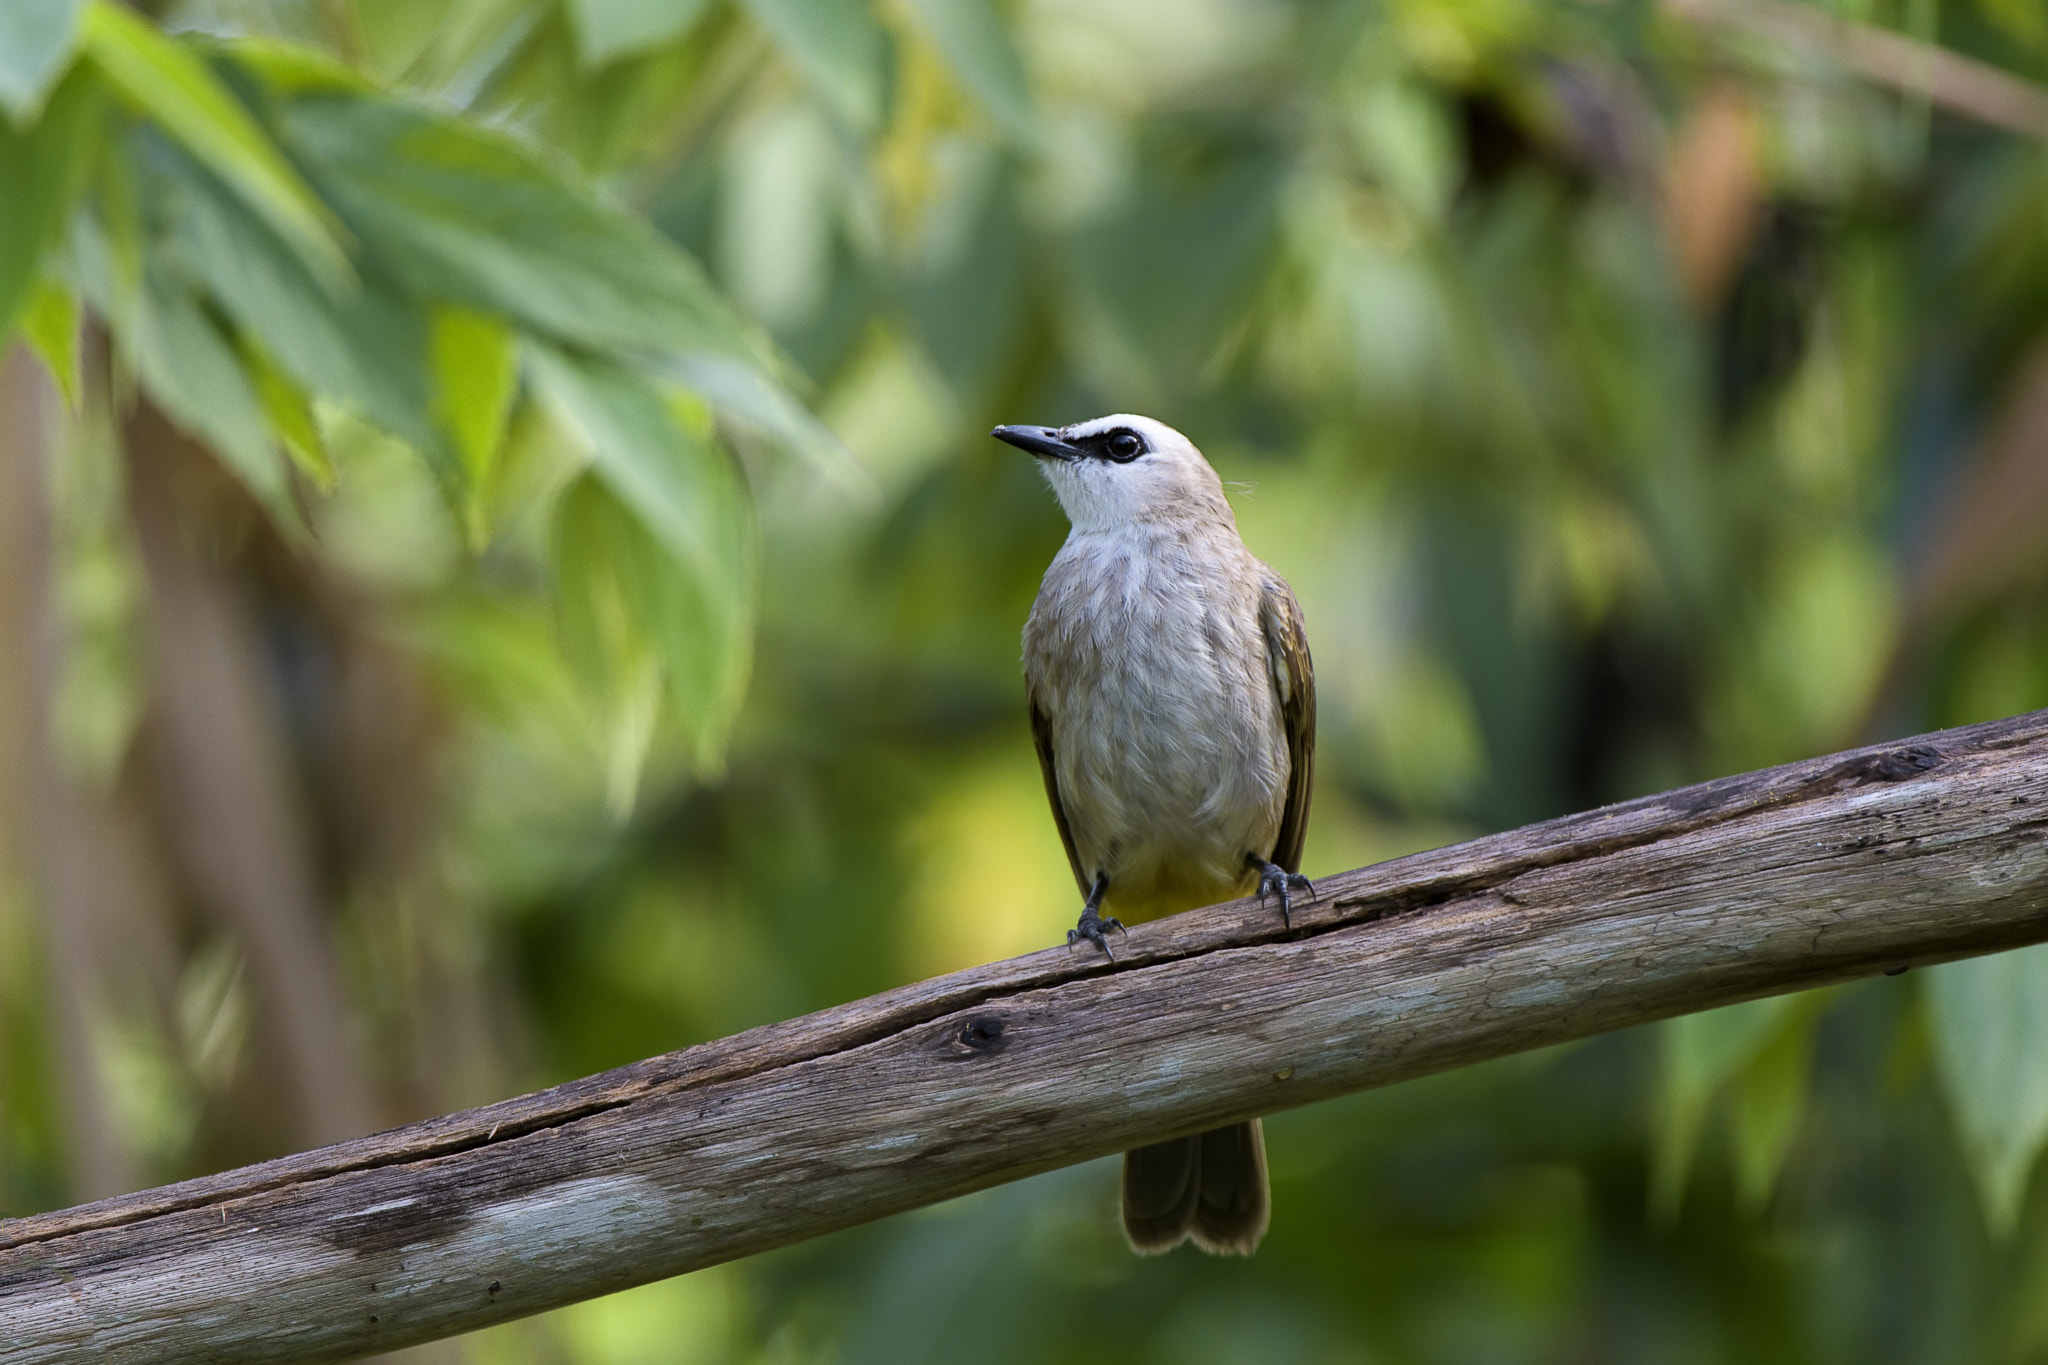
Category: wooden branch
<point>1823,871</point>
<point>1945,78</point>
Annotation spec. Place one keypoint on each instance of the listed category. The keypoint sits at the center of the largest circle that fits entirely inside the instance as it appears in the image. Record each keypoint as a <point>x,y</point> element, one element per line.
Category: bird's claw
<point>1094,927</point>
<point>1277,881</point>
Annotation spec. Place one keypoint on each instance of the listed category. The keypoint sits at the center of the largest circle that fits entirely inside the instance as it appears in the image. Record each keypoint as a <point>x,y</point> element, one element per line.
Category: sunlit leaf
<point>293,68</point>
<point>43,170</point>
<point>49,323</point>
<point>172,86</point>
<point>37,38</point>
<point>836,43</point>
<point>291,416</point>
<point>476,377</point>
<point>466,214</point>
<point>1989,1018</point>
<point>984,57</point>
<point>609,29</point>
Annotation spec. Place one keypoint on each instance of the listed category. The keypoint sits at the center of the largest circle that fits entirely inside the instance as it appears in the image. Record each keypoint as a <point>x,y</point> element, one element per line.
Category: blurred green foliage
<point>1629,400</point>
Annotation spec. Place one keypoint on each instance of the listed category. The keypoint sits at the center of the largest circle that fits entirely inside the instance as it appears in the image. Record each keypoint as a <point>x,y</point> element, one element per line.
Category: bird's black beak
<point>1044,442</point>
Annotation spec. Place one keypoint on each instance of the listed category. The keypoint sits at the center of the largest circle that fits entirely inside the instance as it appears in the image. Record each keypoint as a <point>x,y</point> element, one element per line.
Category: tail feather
<point>1210,1187</point>
<point>1231,1215</point>
<point>1162,1184</point>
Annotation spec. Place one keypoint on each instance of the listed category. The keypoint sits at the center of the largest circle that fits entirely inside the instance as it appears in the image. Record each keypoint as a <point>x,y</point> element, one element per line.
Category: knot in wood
<point>1894,765</point>
<point>983,1033</point>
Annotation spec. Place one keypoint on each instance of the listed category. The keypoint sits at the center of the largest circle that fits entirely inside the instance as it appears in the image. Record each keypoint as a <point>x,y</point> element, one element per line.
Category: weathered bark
<point>1823,871</point>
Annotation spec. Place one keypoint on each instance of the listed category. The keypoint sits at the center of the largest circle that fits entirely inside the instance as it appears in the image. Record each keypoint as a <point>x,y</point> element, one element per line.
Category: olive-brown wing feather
<point>1041,736</point>
<point>1294,681</point>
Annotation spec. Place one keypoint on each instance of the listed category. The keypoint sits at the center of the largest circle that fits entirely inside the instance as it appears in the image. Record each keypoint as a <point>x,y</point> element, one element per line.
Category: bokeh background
<point>502,574</point>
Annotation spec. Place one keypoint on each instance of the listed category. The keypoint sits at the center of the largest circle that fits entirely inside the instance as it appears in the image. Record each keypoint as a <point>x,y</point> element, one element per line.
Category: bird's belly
<point>1170,780</point>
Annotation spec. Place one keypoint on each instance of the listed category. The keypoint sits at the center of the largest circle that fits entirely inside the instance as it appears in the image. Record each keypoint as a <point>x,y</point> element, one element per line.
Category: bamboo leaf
<point>43,169</point>
<point>838,45</point>
<point>609,29</point>
<point>468,215</point>
<point>49,323</point>
<point>291,416</point>
<point>1700,1053</point>
<point>194,373</point>
<point>1989,1017</point>
<point>740,391</point>
<point>674,531</point>
<point>476,377</point>
<point>293,68</point>
<point>182,359</point>
<point>662,472</point>
<point>168,83</point>
<point>596,617</point>
<point>37,39</point>
<point>1767,1105</point>
<point>367,353</point>
<point>984,58</point>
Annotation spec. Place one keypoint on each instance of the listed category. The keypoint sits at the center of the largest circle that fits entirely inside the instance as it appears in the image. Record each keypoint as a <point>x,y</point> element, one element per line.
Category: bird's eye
<point>1125,447</point>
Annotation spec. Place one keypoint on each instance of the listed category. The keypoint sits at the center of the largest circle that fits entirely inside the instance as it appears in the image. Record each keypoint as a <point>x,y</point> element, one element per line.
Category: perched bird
<point>1174,707</point>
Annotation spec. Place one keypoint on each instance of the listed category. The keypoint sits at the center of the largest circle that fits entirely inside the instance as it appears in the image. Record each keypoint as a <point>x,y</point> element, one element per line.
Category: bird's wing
<point>1294,681</point>
<point>1041,736</point>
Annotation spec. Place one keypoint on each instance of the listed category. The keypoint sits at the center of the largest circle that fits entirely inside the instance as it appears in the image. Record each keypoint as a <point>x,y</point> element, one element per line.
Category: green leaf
<point>1700,1053</point>
<point>467,215</point>
<point>37,38</point>
<point>609,29</point>
<point>168,83</point>
<point>50,324</point>
<point>838,45</point>
<point>694,600</point>
<point>293,68</point>
<point>44,172</point>
<point>984,58</point>
<point>741,392</point>
<point>598,549</point>
<point>1989,1018</point>
<point>476,377</point>
<point>664,474</point>
<point>1767,1104</point>
<point>291,416</point>
<point>629,615</point>
<point>194,374</point>
<point>183,360</point>
<point>367,353</point>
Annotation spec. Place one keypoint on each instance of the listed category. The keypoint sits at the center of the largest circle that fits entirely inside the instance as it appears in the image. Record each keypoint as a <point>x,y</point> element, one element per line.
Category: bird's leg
<point>1277,880</point>
<point>1094,924</point>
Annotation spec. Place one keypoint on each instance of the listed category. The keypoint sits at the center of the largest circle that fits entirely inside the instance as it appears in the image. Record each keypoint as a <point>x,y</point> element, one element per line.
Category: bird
<point>1172,702</point>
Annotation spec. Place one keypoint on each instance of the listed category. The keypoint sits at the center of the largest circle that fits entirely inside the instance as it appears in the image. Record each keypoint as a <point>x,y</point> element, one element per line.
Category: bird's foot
<point>1095,929</point>
<point>1275,880</point>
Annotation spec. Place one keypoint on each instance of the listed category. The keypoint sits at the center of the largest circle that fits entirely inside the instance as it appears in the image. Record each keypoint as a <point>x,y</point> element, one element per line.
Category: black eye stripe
<point>1120,445</point>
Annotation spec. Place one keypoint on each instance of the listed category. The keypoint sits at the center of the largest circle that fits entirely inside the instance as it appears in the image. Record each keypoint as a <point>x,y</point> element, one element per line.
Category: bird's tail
<point>1210,1187</point>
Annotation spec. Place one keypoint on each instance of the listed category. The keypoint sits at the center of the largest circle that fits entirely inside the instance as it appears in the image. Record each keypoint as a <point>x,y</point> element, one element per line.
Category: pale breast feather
<point>1162,737</point>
